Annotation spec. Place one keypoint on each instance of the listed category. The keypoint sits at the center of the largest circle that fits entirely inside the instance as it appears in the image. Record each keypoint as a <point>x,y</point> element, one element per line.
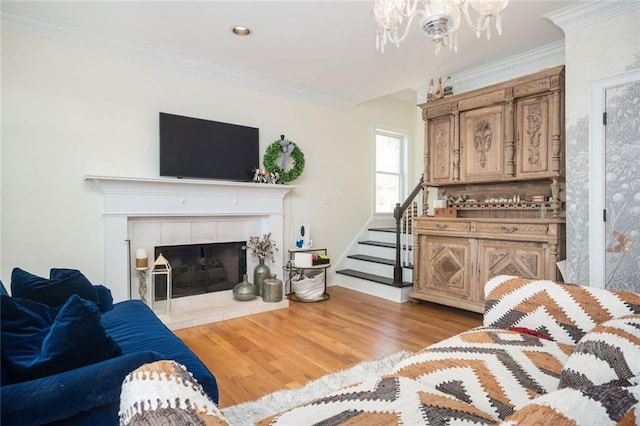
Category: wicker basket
<point>308,288</point>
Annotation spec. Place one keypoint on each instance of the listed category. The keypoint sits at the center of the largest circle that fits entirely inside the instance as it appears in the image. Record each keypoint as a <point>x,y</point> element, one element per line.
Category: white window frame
<point>403,135</point>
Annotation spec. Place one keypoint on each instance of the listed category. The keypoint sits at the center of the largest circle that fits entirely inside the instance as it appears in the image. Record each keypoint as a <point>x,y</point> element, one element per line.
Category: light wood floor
<point>259,354</point>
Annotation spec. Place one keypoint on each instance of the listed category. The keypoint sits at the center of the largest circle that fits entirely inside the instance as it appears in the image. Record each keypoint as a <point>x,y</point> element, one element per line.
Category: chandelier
<point>440,19</point>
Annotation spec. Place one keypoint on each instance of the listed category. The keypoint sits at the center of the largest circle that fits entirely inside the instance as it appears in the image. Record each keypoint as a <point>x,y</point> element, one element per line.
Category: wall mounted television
<point>197,148</point>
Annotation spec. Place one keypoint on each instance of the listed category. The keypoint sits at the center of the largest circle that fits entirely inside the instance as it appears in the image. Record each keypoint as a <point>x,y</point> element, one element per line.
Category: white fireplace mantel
<point>127,198</point>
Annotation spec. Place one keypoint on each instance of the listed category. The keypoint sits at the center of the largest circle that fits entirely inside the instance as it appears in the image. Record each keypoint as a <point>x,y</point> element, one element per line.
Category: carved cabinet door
<point>446,266</point>
<point>510,258</point>
<point>441,137</point>
<point>482,142</point>
<point>533,137</point>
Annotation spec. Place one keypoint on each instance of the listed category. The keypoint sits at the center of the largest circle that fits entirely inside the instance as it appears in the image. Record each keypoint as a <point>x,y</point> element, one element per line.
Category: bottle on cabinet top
<point>439,91</point>
<point>448,87</point>
<point>430,91</point>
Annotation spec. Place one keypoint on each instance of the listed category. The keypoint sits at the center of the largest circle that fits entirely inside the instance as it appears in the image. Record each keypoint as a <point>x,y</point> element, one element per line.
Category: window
<point>390,170</point>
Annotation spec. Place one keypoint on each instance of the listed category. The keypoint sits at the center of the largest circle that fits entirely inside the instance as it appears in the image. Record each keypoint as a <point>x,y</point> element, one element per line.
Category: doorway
<point>614,195</point>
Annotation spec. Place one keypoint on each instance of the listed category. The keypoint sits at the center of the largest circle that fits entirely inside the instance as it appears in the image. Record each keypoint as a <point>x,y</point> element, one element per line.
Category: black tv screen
<point>197,148</point>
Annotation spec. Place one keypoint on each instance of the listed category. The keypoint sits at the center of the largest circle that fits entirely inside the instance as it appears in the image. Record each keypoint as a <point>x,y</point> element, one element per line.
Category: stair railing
<point>404,216</point>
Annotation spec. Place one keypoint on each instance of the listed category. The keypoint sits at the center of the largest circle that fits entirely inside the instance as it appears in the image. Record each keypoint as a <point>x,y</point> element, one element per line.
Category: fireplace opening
<point>202,268</point>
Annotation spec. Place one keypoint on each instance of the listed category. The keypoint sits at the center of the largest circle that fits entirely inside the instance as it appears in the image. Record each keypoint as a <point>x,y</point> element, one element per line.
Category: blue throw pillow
<point>3,290</point>
<point>105,299</point>
<point>39,341</point>
<point>63,283</point>
<point>54,291</point>
<point>22,328</point>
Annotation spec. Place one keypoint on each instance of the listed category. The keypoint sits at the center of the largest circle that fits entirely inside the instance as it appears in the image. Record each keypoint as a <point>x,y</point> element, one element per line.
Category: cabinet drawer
<point>445,226</point>
<point>505,229</point>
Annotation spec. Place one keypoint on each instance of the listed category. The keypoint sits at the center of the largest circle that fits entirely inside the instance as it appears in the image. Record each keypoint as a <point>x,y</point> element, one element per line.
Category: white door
<point>616,242</point>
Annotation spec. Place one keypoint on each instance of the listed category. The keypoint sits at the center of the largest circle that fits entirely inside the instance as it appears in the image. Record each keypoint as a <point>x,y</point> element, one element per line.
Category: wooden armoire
<point>493,153</point>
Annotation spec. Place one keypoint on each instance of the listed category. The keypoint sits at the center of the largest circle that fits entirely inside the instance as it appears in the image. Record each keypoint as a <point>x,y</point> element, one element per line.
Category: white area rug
<point>248,413</point>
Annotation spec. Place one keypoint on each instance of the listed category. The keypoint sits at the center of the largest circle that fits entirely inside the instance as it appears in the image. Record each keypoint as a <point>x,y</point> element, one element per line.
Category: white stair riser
<point>371,267</point>
<point>394,294</point>
<point>388,237</point>
<point>377,251</point>
<point>385,253</point>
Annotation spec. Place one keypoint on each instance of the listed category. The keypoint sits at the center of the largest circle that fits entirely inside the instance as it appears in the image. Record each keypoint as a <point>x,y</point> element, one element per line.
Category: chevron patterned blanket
<point>494,374</point>
<point>478,377</point>
<point>547,353</point>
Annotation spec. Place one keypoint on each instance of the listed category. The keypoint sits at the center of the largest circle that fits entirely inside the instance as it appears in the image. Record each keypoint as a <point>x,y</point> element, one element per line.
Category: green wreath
<point>272,156</point>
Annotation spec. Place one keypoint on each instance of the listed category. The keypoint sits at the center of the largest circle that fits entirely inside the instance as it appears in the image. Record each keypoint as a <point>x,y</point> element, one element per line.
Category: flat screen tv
<point>197,148</point>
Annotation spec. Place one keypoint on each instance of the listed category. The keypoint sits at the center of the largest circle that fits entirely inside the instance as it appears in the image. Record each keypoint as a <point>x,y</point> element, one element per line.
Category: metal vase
<point>261,273</point>
<point>272,289</point>
<point>244,290</point>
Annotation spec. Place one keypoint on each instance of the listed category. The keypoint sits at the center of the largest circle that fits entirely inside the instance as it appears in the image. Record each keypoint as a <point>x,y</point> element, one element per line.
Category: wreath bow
<point>287,149</point>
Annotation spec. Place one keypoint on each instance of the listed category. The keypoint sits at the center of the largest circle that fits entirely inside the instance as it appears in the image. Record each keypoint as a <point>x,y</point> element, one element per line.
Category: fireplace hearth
<point>202,268</point>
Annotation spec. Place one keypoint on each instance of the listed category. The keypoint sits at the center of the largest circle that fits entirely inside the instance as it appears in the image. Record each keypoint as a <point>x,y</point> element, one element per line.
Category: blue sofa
<point>90,395</point>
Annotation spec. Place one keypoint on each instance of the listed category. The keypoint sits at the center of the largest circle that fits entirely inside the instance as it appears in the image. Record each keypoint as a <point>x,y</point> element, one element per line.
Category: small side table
<point>290,269</point>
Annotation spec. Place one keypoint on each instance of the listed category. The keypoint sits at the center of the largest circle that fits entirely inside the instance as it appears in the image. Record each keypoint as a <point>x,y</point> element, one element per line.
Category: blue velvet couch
<point>90,395</point>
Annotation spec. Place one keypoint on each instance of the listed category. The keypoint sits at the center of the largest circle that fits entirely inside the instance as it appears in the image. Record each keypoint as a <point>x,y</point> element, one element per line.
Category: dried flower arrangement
<point>262,247</point>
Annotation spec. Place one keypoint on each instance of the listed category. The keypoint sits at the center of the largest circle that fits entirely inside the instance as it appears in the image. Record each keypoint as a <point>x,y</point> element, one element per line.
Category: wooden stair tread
<point>389,229</point>
<point>382,244</point>
<point>371,277</point>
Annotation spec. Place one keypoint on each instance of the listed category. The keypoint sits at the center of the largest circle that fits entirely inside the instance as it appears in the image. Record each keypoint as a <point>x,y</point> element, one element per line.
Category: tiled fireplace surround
<point>150,212</point>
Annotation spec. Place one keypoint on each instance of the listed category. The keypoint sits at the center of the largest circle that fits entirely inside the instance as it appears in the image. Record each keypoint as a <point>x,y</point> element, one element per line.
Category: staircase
<point>376,266</point>
<point>370,269</point>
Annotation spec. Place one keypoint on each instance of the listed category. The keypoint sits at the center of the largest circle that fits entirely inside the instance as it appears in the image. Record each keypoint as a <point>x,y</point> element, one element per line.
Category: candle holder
<point>161,286</point>
<point>142,283</point>
<point>142,265</point>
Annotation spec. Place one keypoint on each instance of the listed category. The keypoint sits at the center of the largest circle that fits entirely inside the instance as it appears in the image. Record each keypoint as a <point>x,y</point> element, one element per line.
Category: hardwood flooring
<point>262,353</point>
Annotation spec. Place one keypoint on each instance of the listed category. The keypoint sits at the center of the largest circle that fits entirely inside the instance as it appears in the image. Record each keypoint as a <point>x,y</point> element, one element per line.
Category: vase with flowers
<point>262,248</point>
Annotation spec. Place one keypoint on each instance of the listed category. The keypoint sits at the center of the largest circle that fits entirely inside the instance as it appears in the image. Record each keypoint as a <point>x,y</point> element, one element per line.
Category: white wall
<point>68,112</point>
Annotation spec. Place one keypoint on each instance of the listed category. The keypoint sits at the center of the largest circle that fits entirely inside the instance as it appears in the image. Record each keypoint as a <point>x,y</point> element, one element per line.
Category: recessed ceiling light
<point>241,31</point>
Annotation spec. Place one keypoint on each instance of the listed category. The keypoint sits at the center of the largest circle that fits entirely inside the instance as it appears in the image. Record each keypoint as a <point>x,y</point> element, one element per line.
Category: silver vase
<point>261,273</point>
<point>244,290</point>
<point>272,289</point>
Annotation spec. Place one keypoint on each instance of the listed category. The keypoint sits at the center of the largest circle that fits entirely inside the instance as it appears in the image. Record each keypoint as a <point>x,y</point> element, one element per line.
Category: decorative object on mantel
<point>161,278</point>
<point>244,290</point>
<point>261,247</point>
<point>263,176</point>
<point>277,160</point>
<point>142,265</point>
<point>440,19</point>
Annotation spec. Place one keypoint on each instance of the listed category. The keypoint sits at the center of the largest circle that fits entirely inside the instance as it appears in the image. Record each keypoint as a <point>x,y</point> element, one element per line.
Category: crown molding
<point>547,56</point>
<point>17,21</point>
<point>585,13</point>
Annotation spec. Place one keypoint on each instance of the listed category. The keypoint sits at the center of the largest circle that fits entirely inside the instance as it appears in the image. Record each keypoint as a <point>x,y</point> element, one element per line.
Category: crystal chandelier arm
<point>392,34</point>
<point>389,14</point>
<point>412,5</point>
<point>482,22</point>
